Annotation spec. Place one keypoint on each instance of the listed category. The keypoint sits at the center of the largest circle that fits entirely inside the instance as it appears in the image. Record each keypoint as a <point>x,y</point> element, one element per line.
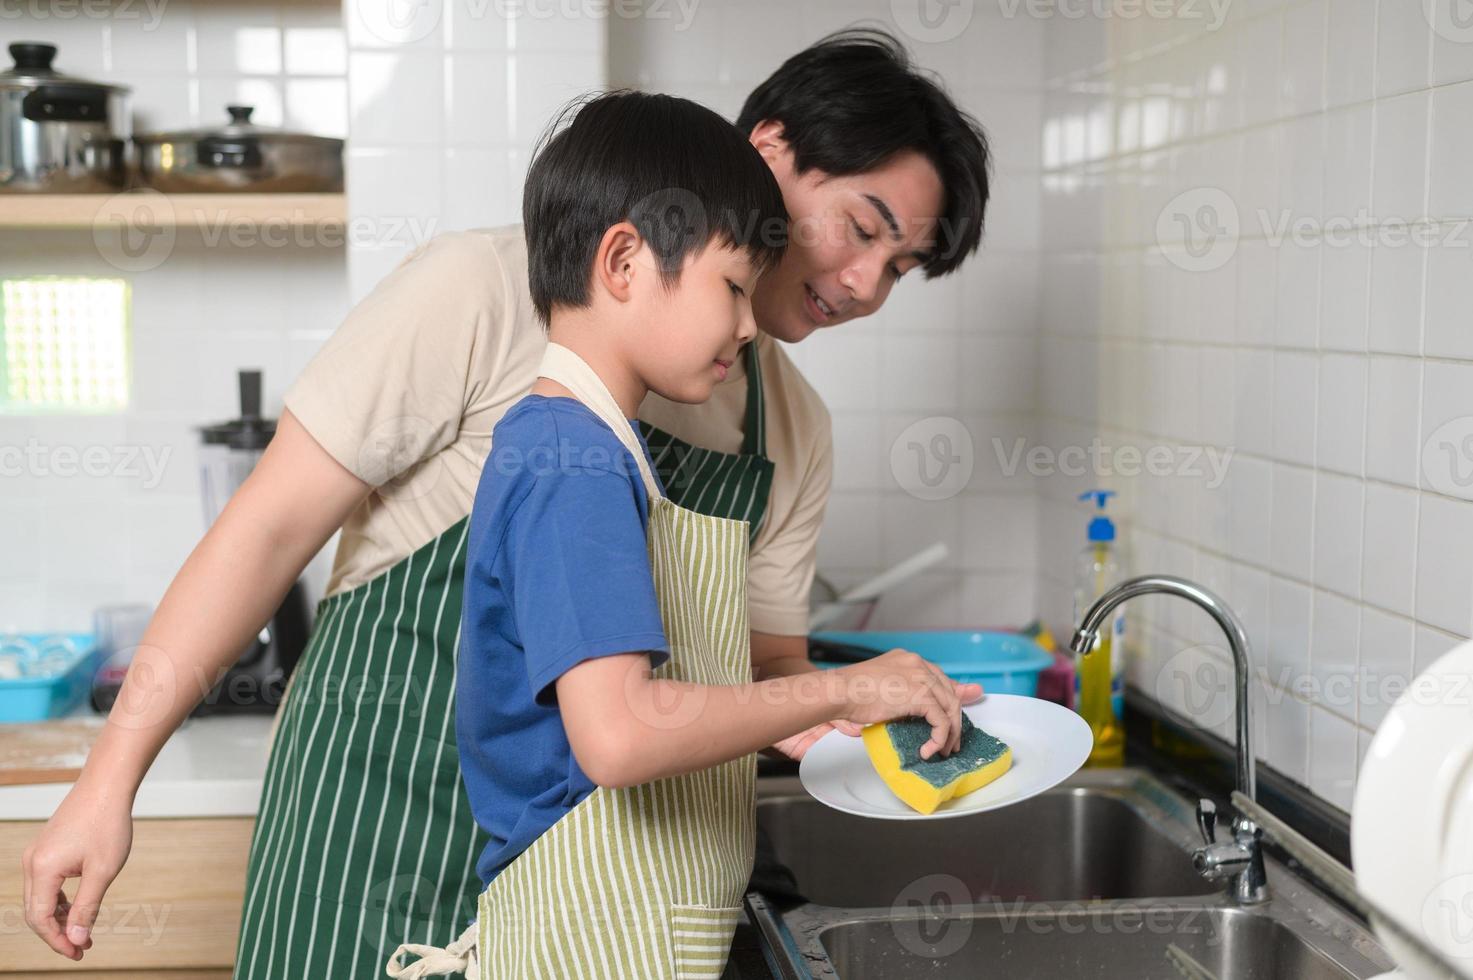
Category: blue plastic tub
<point>56,674</point>
<point>1003,663</point>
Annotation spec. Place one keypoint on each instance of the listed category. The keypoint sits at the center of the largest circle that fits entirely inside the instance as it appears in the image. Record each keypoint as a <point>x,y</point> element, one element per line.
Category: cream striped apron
<point>644,882</point>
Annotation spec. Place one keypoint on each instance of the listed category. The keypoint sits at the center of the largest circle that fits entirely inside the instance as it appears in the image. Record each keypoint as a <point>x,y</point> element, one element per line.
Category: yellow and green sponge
<point>894,748</point>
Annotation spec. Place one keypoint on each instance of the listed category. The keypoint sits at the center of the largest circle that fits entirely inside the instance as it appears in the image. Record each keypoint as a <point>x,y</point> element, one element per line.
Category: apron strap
<point>573,373</point>
<point>754,425</point>
<point>458,957</point>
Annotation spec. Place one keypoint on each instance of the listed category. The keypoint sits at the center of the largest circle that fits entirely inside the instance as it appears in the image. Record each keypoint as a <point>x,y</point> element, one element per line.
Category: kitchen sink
<point>1074,843</point>
<point>1109,942</point>
<point>1091,879</point>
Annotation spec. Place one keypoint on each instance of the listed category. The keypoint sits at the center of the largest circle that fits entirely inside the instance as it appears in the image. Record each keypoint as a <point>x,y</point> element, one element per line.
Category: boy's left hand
<point>796,746</point>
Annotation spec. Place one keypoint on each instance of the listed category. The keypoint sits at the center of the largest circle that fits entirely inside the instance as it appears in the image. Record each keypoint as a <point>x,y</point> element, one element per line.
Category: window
<point>63,345</point>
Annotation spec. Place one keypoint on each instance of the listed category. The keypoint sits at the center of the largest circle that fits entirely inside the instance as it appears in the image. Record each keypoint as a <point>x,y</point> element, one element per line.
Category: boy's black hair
<point>853,100</point>
<point>683,175</point>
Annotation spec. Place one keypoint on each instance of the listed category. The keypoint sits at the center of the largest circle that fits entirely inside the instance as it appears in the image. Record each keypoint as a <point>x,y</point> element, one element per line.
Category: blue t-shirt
<point>557,572</point>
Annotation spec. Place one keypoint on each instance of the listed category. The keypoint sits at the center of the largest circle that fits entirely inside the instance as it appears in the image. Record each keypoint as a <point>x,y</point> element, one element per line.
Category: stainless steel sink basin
<point>1109,942</point>
<point>1075,843</point>
<point>1092,879</point>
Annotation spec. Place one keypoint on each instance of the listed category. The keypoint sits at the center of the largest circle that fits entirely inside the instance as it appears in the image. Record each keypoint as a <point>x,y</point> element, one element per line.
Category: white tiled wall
<point>1339,373</point>
<point>447,100</point>
<point>72,543</point>
<point>961,347</point>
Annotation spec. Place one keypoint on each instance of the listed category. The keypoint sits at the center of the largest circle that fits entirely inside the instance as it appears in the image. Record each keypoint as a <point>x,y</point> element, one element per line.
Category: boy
<point>605,715</point>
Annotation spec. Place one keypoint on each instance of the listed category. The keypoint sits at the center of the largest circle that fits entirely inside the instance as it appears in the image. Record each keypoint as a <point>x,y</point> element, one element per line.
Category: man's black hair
<point>853,100</point>
<point>680,173</point>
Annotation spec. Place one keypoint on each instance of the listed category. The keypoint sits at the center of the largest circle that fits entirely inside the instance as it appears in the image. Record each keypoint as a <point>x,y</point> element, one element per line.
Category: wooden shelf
<point>215,213</point>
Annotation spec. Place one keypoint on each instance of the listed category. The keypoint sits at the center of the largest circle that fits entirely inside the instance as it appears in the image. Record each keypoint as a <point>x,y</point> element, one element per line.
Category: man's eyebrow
<point>921,255</point>
<point>885,213</point>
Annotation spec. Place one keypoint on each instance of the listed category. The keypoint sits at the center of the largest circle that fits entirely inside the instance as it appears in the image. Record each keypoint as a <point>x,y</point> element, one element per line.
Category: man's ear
<point>615,262</point>
<point>767,136</point>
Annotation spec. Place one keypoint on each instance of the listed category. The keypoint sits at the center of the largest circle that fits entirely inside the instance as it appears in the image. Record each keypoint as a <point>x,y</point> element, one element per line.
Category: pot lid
<point>32,68</point>
<point>239,126</point>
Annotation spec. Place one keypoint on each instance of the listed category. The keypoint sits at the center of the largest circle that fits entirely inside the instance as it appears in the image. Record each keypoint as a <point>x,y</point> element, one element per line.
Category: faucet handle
<point>1207,821</point>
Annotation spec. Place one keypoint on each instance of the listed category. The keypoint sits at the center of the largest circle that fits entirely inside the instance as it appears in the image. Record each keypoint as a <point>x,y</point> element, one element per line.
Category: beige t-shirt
<point>406,392</point>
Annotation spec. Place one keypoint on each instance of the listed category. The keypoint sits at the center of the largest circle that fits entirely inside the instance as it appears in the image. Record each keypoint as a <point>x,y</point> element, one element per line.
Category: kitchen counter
<point>211,767</point>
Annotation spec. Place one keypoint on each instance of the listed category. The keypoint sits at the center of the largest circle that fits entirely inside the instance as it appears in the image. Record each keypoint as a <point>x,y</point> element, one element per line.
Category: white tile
<point>167,102</point>
<point>395,98</point>
<point>1253,386</point>
<point>861,456</point>
<point>1452,43</point>
<point>1386,645</point>
<point>1389,579</point>
<point>1401,157</point>
<point>1447,428</point>
<point>1339,514</point>
<point>375,24</point>
<point>1432,646</point>
<point>317,105</point>
<point>1297,317</point>
<point>1393,434</point>
<point>1257,266</point>
<point>998,374</point>
<point>1403,48</point>
<point>567,28</point>
<point>848,375</point>
<point>1287,724</point>
<point>314,41</point>
<point>929,598</point>
<point>474,25</point>
<point>1448,331</point>
<point>1332,758</point>
<point>1259,48</point>
<point>1295,398</point>
<point>143,45</point>
<point>1444,573</point>
<point>1341,438</point>
<point>921,371</point>
<point>479,192</point>
<point>1216,407</point>
<point>849,537</point>
<point>1396,298</point>
<point>1287,659</point>
<point>238,39</point>
<point>1350,52</point>
<point>1452,152</point>
<point>997,600</point>
<point>1334,651</point>
<point>1303,75</point>
<point>910,525</point>
<point>1345,296</point>
<point>545,83</point>
<point>477,112</point>
<point>998,531</point>
<point>1250,488</point>
<point>745,52</point>
<point>1293,522</point>
<point>1301,167</point>
<point>1348,151</point>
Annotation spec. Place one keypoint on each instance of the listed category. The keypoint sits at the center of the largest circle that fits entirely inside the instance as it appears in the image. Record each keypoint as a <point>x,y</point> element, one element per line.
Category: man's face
<point>851,238</point>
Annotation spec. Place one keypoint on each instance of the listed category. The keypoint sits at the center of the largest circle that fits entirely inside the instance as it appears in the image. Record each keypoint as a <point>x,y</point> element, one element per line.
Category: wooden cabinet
<point>172,914</point>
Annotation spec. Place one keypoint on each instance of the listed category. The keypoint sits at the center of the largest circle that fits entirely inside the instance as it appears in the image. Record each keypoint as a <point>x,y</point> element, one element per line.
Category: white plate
<point>1049,744</point>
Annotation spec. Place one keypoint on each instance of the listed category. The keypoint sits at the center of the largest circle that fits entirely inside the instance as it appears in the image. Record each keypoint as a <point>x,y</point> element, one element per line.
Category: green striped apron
<point>643,883</point>
<point>364,836</point>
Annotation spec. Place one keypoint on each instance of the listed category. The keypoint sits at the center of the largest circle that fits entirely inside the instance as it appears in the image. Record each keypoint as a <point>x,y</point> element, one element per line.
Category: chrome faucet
<point>1241,858</point>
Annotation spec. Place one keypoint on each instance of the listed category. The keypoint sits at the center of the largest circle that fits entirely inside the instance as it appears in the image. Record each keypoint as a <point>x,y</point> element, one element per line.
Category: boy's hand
<point>798,745</point>
<point>901,684</point>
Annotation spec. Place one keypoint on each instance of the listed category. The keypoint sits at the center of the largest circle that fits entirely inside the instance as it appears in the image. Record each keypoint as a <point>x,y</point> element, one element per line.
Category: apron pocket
<point>701,939</point>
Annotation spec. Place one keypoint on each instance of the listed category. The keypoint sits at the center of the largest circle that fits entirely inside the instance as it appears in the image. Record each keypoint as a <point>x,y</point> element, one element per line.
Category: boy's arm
<point>627,727</point>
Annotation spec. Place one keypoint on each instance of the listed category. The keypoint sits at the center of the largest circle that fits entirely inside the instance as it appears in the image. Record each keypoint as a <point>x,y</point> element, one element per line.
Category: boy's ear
<point>617,257</point>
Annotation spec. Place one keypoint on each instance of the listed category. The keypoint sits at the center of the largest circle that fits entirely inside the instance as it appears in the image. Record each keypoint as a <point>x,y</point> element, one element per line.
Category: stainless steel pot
<point>240,156</point>
<point>59,134</point>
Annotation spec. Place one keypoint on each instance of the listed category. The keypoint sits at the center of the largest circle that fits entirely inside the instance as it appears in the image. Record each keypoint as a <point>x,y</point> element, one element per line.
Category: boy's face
<point>850,238</point>
<point>696,329</point>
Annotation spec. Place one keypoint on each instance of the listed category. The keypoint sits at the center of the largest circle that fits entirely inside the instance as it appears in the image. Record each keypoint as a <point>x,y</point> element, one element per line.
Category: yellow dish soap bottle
<point>1100,674</point>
